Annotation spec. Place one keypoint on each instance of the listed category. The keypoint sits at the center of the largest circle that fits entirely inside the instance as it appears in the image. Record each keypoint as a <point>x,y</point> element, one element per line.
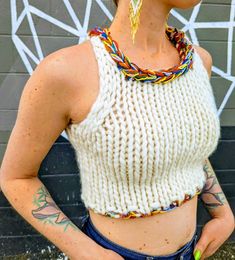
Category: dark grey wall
<point>56,25</point>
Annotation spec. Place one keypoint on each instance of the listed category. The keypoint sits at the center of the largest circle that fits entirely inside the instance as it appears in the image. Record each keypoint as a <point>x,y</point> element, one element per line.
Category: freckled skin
<point>166,240</point>
<point>140,248</point>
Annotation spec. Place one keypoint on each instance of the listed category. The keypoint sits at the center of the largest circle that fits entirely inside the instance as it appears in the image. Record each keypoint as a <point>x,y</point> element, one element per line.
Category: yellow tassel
<point>134,11</point>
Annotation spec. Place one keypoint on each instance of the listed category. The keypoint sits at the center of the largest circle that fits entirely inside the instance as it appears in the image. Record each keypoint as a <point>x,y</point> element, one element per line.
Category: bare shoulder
<point>65,69</point>
<point>206,58</point>
<point>54,76</point>
<point>44,111</point>
<point>67,64</point>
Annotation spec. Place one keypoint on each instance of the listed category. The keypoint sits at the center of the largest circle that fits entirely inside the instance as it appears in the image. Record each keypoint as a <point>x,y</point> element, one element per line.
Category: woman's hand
<point>217,230</point>
<point>214,234</point>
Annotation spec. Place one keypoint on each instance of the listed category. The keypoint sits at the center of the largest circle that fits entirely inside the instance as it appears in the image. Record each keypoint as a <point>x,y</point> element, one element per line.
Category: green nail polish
<point>197,255</point>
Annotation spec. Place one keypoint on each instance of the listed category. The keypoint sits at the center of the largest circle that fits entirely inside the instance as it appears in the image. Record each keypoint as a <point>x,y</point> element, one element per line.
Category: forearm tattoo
<point>212,195</point>
<point>48,212</point>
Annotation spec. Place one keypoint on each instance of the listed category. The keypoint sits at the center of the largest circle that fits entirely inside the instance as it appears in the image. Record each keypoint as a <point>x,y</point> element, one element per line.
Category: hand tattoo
<point>48,211</point>
<point>212,195</point>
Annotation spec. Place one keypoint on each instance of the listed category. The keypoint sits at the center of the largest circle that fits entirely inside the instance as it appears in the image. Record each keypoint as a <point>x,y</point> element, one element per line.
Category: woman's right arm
<point>43,114</point>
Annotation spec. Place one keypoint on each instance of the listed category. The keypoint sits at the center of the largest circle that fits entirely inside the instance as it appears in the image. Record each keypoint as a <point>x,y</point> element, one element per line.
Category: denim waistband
<point>183,253</point>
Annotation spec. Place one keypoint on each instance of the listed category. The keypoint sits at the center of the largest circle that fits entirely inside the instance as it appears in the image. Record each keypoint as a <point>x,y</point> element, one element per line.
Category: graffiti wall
<point>30,30</point>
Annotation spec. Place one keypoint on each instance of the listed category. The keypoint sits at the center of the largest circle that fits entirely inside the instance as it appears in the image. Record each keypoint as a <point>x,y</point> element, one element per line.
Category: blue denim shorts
<point>184,253</point>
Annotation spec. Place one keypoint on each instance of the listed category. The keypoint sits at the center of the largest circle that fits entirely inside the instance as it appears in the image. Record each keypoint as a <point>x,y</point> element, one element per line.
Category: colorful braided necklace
<point>134,72</point>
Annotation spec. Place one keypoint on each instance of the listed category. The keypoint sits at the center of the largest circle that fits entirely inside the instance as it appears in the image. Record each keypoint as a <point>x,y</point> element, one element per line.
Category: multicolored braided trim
<point>132,71</point>
<point>160,210</point>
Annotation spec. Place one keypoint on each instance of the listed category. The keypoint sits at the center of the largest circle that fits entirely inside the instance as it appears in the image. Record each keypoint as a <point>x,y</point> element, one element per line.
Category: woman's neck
<point>150,35</point>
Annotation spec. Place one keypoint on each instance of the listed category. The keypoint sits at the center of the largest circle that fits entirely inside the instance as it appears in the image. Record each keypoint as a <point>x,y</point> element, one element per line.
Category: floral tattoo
<point>212,194</point>
<point>48,211</point>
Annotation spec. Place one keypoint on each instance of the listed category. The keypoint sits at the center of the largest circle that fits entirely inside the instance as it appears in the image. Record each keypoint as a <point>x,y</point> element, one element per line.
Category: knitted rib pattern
<point>142,147</point>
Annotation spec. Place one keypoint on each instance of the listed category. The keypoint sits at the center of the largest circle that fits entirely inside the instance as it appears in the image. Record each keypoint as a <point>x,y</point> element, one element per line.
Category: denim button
<point>181,257</point>
<point>149,258</point>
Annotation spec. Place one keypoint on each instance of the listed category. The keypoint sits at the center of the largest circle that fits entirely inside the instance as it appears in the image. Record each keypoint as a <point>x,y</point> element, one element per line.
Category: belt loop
<point>84,220</point>
<point>195,241</point>
<point>185,251</point>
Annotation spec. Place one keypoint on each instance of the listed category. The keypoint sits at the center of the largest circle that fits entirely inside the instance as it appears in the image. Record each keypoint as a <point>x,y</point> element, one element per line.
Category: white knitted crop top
<point>142,146</point>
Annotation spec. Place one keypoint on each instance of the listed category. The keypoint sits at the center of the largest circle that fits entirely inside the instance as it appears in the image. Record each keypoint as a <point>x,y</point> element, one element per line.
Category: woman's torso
<point>158,234</point>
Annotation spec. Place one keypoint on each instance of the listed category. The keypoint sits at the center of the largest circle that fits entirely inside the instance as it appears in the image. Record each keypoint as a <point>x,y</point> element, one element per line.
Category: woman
<point>102,116</point>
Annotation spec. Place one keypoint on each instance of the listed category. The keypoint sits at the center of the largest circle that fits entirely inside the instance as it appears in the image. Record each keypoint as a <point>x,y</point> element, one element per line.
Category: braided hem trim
<point>160,210</point>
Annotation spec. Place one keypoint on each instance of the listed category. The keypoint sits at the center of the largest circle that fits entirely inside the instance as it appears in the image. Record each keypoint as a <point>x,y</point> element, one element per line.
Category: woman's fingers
<point>210,250</point>
<point>201,246</point>
<point>205,241</point>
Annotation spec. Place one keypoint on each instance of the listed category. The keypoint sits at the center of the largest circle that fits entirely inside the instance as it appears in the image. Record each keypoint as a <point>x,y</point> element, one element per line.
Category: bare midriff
<point>158,234</point>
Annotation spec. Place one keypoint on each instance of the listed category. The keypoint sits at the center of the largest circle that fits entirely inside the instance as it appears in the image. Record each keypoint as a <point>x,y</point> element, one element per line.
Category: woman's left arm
<point>212,195</point>
<point>216,231</point>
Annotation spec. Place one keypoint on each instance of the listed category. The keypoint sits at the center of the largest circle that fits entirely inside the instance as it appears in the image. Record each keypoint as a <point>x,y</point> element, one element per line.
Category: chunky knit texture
<point>142,147</point>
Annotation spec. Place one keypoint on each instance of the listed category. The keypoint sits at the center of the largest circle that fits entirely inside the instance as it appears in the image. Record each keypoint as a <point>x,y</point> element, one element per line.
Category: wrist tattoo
<point>48,212</point>
<point>212,194</point>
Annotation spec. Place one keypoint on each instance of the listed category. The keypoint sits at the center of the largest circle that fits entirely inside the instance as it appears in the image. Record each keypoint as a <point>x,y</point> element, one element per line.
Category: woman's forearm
<point>212,194</point>
<point>31,199</point>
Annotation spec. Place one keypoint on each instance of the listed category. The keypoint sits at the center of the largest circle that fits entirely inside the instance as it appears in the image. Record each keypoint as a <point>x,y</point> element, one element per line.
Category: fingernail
<point>197,255</point>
